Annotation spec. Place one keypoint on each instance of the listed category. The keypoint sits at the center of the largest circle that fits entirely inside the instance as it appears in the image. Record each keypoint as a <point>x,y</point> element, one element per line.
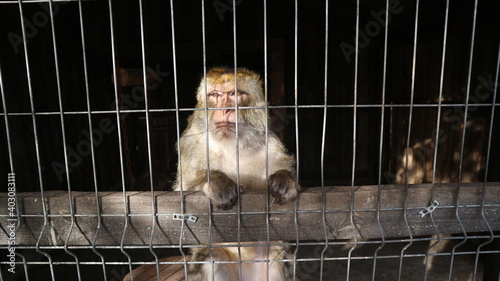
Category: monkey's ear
<point>201,94</point>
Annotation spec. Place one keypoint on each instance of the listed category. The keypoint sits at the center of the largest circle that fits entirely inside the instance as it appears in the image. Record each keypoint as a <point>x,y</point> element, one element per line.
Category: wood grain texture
<point>167,231</point>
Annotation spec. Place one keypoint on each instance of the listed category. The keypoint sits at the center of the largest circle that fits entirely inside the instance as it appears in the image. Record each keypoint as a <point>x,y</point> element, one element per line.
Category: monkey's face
<point>221,93</point>
<point>223,120</point>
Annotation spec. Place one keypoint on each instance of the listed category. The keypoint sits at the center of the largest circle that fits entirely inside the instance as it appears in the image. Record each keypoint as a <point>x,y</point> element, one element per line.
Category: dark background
<point>250,53</point>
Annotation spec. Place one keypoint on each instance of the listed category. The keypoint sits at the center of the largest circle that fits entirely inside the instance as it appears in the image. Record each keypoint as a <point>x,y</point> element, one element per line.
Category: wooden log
<point>253,227</point>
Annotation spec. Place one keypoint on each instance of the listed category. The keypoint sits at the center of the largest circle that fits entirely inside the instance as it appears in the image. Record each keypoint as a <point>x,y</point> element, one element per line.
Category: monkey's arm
<point>283,186</point>
<point>222,190</point>
<point>282,183</point>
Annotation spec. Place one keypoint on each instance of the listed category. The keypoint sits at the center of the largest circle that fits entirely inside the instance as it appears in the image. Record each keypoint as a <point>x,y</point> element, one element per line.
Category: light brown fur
<point>222,190</point>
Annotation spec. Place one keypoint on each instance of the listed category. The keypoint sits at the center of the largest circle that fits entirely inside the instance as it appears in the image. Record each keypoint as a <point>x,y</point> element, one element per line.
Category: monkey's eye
<point>214,94</point>
<point>239,93</point>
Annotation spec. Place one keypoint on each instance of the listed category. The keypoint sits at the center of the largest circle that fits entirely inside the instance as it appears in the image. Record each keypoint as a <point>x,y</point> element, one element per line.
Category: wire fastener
<point>181,217</point>
<point>429,209</point>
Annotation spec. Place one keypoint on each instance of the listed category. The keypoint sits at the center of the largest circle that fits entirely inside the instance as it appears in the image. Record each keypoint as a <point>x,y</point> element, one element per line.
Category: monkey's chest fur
<point>249,164</point>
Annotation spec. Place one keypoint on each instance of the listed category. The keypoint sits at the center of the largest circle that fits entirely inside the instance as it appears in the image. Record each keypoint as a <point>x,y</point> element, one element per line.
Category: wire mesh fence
<point>388,106</point>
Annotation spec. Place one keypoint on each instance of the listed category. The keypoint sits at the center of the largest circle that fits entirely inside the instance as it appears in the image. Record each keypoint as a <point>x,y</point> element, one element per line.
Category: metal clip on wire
<point>181,217</point>
<point>429,209</point>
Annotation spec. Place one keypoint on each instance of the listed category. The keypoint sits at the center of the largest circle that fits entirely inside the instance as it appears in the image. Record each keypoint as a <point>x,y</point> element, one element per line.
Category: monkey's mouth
<point>225,126</point>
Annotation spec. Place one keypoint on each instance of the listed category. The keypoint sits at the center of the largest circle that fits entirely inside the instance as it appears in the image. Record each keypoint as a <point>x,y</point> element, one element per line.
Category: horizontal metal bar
<point>189,109</point>
<point>461,206</point>
<point>344,258</point>
<point>39,1</point>
<point>304,243</point>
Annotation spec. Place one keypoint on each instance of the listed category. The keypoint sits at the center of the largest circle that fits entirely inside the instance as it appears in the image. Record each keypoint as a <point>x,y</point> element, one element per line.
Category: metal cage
<point>389,107</point>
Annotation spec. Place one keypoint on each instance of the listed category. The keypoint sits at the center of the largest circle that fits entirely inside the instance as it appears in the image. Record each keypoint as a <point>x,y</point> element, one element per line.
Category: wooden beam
<point>253,218</point>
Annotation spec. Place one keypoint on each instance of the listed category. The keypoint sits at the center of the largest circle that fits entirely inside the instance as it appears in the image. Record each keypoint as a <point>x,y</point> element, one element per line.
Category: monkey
<point>217,92</point>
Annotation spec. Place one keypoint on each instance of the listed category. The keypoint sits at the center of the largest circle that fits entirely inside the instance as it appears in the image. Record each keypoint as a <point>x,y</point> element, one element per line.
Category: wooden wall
<point>281,55</point>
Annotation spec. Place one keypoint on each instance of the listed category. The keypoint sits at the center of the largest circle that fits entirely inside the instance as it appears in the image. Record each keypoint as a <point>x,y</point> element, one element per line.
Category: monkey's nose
<point>226,104</point>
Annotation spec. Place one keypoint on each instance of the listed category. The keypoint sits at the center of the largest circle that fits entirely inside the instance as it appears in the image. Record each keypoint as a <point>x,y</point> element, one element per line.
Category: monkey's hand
<point>222,190</point>
<point>283,186</point>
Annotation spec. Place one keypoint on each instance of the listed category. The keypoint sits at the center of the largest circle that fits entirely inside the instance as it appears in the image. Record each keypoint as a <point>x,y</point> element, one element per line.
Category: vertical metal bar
<point>267,141</point>
<point>120,147</point>
<point>295,93</point>
<point>354,128</point>
<point>11,164</point>
<point>240,269</point>
<point>6,120</point>
<point>63,133</point>
<point>471,55</point>
<point>410,117</point>
<point>487,166</point>
<point>436,141</point>
<point>381,143</point>
<point>391,124</point>
<point>37,148</point>
<point>323,137</point>
<point>9,149</point>
<point>207,139</point>
<point>176,96</point>
<point>92,152</point>
<point>148,137</point>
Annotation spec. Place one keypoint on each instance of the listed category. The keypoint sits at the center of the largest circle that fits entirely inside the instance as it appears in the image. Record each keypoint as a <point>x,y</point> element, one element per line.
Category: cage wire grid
<point>105,265</point>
